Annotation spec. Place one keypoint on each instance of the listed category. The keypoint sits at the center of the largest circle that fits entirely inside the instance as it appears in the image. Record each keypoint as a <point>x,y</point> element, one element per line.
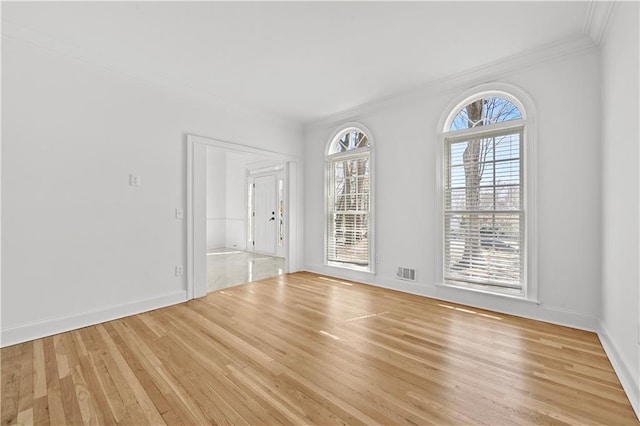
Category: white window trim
<point>522,100</point>
<point>371,269</point>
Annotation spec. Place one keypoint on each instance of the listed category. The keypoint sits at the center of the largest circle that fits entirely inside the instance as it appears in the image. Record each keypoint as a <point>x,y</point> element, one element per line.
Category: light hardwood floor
<point>305,349</point>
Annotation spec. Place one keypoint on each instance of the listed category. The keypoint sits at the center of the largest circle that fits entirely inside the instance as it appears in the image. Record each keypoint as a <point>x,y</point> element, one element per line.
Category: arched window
<point>348,140</point>
<point>484,216</point>
<point>349,200</point>
<point>485,112</point>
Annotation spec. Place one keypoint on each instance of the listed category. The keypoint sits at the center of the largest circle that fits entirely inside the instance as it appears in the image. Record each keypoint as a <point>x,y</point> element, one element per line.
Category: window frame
<point>330,159</point>
<point>528,173</point>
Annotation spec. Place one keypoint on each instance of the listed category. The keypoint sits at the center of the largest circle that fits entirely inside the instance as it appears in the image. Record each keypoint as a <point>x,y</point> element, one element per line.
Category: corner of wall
<point>629,383</point>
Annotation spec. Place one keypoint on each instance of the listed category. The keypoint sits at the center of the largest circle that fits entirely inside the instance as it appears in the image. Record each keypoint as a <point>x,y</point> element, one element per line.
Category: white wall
<point>216,198</point>
<point>620,212</point>
<point>236,216</point>
<point>79,244</point>
<point>566,96</point>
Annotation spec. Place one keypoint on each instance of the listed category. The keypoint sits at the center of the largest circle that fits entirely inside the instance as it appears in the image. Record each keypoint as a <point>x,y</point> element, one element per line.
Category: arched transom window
<point>348,140</point>
<point>484,214</point>
<point>485,112</point>
<point>349,199</point>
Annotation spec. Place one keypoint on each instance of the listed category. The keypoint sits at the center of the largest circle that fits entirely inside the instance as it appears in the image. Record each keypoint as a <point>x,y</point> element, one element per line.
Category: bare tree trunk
<point>350,186</point>
<point>472,175</point>
<point>342,205</point>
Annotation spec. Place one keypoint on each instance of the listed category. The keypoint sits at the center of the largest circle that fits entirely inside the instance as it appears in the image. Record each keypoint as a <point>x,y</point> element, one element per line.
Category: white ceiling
<point>302,60</point>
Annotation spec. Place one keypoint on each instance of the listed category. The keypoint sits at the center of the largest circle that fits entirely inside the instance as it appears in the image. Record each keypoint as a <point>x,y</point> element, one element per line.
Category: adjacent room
<point>320,212</point>
<point>245,217</point>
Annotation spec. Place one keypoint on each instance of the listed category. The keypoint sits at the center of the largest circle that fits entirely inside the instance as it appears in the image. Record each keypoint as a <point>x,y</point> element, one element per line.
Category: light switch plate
<point>134,180</point>
<point>179,213</point>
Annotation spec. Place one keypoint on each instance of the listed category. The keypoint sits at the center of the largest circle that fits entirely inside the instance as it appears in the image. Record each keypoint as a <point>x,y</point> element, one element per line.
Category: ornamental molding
<point>525,61</point>
<point>596,22</point>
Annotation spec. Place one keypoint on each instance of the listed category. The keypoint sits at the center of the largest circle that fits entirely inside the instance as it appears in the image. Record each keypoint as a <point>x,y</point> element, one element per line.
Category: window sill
<point>457,286</point>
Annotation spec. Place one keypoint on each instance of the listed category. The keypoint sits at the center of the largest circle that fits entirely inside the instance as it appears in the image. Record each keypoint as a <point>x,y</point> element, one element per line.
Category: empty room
<point>320,213</point>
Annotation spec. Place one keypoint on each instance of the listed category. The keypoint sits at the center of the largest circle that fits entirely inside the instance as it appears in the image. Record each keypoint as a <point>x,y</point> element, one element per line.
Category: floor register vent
<point>406,274</point>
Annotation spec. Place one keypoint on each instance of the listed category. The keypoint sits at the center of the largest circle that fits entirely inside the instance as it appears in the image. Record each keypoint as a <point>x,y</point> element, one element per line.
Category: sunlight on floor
<point>217,253</point>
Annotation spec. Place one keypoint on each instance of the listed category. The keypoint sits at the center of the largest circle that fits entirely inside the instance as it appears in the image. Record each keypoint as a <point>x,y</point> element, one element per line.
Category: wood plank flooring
<point>306,349</point>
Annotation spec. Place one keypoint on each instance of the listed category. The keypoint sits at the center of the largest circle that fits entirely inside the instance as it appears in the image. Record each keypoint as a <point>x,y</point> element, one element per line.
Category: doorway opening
<point>245,217</point>
<point>242,214</point>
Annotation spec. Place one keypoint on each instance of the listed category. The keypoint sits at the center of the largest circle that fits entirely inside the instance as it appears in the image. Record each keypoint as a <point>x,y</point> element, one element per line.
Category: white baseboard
<point>23,333</point>
<point>496,303</point>
<point>628,381</point>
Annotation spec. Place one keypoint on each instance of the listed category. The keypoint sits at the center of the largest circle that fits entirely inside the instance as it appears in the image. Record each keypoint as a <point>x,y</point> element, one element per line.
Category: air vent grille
<point>406,274</point>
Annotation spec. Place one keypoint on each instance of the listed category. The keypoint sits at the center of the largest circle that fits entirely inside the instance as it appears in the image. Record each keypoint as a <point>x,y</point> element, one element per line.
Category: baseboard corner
<point>629,383</point>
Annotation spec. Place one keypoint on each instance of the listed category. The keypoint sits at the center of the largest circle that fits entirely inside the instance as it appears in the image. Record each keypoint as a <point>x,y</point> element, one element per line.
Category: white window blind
<point>484,209</point>
<point>349,210</point>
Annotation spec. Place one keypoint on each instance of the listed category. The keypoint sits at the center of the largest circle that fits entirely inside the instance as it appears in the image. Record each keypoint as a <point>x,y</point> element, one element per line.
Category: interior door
<point>265,214</point>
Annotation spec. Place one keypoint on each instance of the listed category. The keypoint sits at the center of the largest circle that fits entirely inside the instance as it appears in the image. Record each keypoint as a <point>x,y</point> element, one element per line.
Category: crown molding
<point>595,23</point>
<point>597,20</point>
<point>532,58</point>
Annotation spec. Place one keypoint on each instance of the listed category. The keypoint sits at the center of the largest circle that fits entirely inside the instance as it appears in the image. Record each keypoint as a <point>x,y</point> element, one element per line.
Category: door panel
<point>265,214</point>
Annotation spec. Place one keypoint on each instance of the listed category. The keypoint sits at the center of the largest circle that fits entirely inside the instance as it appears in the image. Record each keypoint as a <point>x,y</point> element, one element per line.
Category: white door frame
<point>196,209</point>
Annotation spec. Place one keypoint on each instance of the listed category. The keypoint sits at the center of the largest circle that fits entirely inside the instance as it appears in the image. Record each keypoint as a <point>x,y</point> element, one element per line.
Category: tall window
<point>484,204</point>
<point>349,192</point>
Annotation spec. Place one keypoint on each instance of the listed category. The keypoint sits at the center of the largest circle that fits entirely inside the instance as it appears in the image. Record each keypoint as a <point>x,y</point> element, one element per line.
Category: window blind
<point>484,214</point>
<point>349,210</point>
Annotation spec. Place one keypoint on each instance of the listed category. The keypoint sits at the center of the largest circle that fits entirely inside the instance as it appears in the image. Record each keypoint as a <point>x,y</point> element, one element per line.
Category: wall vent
<point>406,274</point>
